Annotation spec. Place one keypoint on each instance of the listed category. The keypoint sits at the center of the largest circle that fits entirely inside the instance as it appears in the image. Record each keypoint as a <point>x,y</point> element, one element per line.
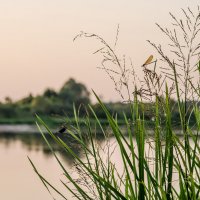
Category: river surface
<point>17,178</point>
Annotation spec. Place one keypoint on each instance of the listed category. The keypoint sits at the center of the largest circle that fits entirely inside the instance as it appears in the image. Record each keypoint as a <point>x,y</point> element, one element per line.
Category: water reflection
<point>18,176</point>
<point>35,142</point>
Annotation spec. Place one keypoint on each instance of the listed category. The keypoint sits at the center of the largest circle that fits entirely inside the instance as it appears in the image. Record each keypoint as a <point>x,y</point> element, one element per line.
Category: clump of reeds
<point>173,172</point>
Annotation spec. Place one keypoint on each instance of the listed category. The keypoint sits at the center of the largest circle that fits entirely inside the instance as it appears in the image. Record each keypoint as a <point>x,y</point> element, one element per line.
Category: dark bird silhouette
<point>62,130</point>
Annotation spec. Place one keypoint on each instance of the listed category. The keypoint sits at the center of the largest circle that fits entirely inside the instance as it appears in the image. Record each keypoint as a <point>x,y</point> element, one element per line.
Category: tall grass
<point>173,170</point>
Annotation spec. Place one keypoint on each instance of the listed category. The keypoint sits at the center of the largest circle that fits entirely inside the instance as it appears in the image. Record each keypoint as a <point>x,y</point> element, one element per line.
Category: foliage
<point>51,102</point>
<point>60,103</point>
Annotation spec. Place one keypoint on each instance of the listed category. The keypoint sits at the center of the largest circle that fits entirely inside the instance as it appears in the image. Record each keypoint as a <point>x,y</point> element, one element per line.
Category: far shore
<point>18,128</point>
<point>33,129</point>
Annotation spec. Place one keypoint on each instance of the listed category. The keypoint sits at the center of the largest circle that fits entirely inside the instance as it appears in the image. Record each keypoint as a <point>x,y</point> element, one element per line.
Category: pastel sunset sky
<point>36,40</point>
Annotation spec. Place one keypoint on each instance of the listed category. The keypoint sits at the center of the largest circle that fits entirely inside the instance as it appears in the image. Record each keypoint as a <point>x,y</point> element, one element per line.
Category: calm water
<point>17,178</point>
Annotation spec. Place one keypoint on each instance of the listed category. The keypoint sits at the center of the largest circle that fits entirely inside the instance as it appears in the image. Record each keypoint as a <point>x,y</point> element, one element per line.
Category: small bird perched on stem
<point>62,129</point>
<point>148,61</point>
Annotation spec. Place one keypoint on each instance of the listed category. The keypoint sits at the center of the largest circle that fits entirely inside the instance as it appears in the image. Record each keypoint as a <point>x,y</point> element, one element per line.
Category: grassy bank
<point>51,121</point>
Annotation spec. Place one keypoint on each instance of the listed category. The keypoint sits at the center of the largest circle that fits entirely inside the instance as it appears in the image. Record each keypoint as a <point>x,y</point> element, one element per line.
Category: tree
<point>26,100</point>
<point>73,92</point>
<point>40,105</point>
<point>8,100</point>
<point>49,93</point>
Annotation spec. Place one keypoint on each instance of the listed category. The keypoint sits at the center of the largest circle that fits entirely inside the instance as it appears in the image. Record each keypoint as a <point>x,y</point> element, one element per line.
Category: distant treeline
<point>60,103</point>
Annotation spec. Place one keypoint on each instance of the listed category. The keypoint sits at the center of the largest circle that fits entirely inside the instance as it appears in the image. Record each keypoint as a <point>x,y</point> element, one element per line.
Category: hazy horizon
<point>37,49</point>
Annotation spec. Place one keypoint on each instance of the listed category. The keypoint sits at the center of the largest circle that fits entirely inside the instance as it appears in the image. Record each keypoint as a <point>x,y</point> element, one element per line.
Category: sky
<point>37,49</point>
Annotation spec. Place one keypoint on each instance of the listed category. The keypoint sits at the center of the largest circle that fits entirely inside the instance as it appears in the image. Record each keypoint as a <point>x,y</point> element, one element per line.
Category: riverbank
<point>52,122</point>
<point>20,128</point>
<point>33,129</point>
